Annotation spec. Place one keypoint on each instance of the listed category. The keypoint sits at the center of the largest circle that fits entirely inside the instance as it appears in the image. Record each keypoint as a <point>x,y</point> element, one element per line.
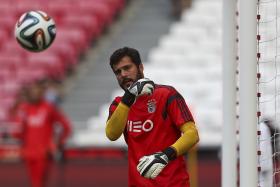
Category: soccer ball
<point>35,31</point>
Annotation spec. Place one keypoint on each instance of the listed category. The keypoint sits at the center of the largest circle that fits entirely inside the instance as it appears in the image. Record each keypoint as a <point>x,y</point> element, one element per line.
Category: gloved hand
<point>140,87</point>
<point>151,166</point>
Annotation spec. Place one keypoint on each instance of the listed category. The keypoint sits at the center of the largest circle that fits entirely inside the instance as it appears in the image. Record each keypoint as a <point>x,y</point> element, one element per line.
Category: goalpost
<point>259,88</point>
<point>247,93</point>
<point>229,155</point>
<point>248,90</point>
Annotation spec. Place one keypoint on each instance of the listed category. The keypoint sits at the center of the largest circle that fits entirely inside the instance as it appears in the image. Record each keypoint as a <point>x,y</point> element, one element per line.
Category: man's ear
<point>141,68</point>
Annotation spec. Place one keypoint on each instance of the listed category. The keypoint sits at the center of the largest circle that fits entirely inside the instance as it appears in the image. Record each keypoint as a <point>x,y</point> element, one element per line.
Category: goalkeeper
<point>156,122</point>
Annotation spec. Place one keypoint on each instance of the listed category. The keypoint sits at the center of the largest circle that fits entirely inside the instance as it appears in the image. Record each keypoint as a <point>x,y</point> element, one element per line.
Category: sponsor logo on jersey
<point>38,119</point>
<point>139,126</point>
<point>151,105</point>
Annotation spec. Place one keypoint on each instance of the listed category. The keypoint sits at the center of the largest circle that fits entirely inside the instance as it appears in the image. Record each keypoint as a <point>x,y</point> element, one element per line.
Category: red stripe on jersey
<point>184,110</point>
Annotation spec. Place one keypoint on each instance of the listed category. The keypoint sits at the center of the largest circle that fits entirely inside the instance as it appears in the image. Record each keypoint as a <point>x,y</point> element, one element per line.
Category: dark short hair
<point>125,51</point>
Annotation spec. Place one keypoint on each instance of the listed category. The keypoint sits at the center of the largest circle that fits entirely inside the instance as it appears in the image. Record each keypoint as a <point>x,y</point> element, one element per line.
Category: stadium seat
<point>211,8</point>
<point>8,22</point>
<point>5,72</point>
<point>12,48</point>
<point>185,32</point>
<point>100,10</point>
<point>3,114</point>
<point>5,6</point>
<point>165,58</point>
<point>3,37</point>
<point>113,6</point>
<point>87,138</point>
<point>73,36</point>
<point>12,61</point>
<point>27,5</point>
<point>66,52</point>
<point>120,4</point>
<point>9,87</point>
<point>88,23</point>
<point>177,43</point>
<point>29,74</point>
<point>51,62</point>
<point>58,9</point>
<point>209,118</point>
<point>202,20</point>
<point>6,102</point>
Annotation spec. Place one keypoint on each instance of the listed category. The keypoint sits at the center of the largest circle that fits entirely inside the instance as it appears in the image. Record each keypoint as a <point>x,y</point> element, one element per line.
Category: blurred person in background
<point>38,120</point>
<point>268,142</point>
<point>155,121</point>
<point>16,112</point>
<point>178,6</point>
<point>53,92</point>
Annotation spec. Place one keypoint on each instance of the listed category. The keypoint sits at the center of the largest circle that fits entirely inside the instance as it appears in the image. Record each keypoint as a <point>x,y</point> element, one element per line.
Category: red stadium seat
<point>58,9</point>
<point>86,22</point>
<point>27,5</point>
<point>119,4</point>
<point>66,52</point>
<point>6,102</point>
<point>29,74</point>
<point>5,73</point>
<point>113,5</point>
<point>8,22</point>
<point>12,48</point>
<point>11,60</point>
<point>73,36</point>
<point>99,9</point>
<point>6,8</point>
<point>3,113</point>
<point>4,37</point>
<point>10,87</point>
<point>48,61</point>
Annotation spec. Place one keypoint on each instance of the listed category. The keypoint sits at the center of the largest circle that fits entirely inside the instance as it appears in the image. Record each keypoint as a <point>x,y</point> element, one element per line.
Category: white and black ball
<point>35,30</point>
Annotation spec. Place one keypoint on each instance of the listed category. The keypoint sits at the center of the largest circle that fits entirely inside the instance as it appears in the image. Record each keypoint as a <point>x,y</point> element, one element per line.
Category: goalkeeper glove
<point>151,166</point>
<point>140,87</point>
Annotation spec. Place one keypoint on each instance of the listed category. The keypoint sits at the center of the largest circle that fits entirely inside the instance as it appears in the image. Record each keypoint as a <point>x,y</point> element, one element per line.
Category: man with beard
<point>156,122</point>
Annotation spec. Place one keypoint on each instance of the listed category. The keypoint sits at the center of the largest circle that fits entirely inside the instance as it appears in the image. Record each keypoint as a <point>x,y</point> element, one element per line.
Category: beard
<point>123,83</point>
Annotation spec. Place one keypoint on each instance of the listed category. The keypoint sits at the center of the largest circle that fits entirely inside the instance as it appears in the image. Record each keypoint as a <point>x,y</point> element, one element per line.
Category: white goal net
<point>268,84</point>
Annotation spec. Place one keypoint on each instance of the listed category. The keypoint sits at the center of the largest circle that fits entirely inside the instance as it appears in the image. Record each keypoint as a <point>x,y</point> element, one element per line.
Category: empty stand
<point>78,22</point>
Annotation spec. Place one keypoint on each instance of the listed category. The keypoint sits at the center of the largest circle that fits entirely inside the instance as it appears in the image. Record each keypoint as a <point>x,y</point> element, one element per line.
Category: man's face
<point>35,93</point>
<point>127,72</point>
